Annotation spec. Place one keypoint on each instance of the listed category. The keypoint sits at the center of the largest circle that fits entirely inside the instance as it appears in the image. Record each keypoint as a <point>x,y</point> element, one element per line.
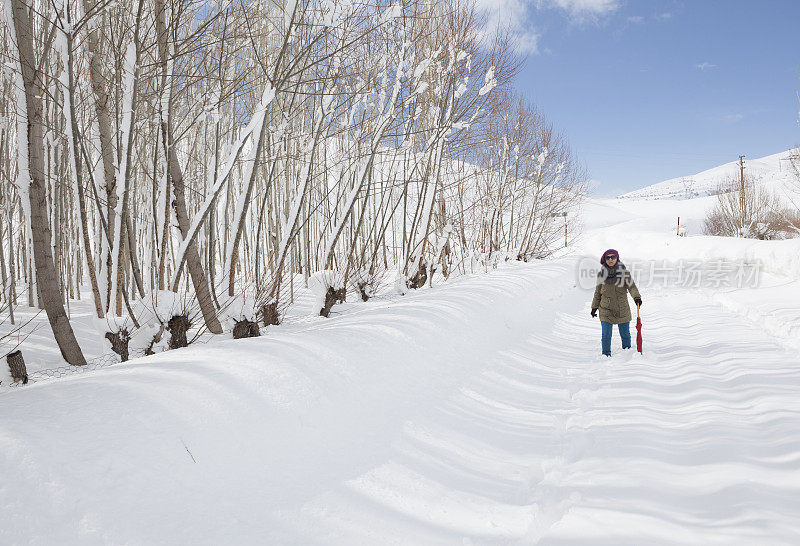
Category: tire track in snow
<point>484,467</point>
<point>695,441</point>
<point>583,374</point>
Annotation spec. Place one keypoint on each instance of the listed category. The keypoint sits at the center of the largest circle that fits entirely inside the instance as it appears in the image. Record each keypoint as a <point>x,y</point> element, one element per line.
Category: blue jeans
<point>624,333</point>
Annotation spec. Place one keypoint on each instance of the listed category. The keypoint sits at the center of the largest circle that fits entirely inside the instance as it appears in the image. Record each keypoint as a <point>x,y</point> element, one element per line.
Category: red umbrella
<point>638,331</point>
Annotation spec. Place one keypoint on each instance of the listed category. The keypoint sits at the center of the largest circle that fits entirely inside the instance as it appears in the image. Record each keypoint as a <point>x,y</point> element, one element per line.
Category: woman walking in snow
<point>611,299</point>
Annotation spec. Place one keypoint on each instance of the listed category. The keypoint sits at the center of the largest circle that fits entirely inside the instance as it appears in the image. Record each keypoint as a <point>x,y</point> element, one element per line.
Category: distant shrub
<point>784,223</point>
<point>750,211</point>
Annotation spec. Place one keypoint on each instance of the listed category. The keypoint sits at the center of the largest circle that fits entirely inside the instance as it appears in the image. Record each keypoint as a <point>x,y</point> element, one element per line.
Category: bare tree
<point>748,209</point>
<point>31,176</point>
<point>246,149</point>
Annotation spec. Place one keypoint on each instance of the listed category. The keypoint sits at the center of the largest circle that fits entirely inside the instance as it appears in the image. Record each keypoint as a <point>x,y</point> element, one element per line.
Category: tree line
<point>226,148</point>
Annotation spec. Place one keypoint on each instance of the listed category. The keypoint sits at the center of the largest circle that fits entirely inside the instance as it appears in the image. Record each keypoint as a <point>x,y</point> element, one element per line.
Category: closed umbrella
<point>638,330</point>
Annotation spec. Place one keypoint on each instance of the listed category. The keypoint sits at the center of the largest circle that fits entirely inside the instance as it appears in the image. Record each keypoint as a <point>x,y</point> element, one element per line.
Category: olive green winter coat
<point>612,298</point>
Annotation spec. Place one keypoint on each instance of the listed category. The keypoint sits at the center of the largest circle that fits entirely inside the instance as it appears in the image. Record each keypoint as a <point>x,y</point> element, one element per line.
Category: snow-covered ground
<point>476,412</point>
<point>773,171</point>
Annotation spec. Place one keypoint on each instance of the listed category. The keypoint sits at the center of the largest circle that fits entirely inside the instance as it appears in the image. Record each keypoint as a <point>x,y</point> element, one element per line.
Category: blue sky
<point>646,91</point>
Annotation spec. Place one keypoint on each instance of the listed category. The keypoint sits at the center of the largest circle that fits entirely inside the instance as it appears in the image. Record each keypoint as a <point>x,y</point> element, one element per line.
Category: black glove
<point>594,313</point>
<point>638,301</point>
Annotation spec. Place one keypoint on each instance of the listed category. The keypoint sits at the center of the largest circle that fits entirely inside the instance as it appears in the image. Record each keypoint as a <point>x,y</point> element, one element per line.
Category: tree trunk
<point>103,102</point>
<point>177,327</point>
<point>245,328</point>
<point>17,366</point>
<point>331,297</point>
<point>245,204</point>
<point>194,262</point>
<point>269,314</point>
<point>42,250</point>
<point>78,168</point>
<point>119,343</point>
<point>135,269</point>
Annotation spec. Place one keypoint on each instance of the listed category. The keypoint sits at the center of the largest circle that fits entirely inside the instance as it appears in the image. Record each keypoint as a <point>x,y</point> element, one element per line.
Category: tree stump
<point>119,343</point>
<point>178,326</point>
<point>269,314</point>
<point>362,288</point>
<point>245,328</point>
<point>17,365</point>
<point>331,297</point>
<point>419,278</point>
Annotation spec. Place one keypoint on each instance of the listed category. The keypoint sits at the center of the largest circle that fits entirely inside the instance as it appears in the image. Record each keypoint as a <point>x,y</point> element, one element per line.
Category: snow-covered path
<point>479,412</point>
<point>697,442</point>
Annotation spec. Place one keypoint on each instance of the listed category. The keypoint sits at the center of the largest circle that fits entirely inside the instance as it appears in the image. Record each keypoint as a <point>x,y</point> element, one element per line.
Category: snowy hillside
<point>475,412</point>
<point>772,171</point>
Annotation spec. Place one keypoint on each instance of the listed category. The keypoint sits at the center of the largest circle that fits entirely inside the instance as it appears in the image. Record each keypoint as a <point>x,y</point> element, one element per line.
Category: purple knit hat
<point>607,253</point>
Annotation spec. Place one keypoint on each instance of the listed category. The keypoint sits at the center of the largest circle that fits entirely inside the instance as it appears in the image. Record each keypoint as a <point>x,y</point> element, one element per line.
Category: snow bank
<point>224,443</point>
<point>648,231</point>
<point>772,171</point>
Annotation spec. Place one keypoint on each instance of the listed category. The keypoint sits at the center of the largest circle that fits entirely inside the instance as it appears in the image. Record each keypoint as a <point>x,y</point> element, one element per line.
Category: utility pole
<point>741,185</point>
<point>564,215</point>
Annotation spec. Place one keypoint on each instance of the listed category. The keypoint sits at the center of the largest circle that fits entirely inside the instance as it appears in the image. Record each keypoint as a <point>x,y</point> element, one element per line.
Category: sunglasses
<point>611,257</point>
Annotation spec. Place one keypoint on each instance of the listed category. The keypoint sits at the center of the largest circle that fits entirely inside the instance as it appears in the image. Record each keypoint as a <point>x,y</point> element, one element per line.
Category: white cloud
<point>517,16</point>
<point>586,7</point>
<point>513,15</point>
<point>636,19</point>
<point>581,11</point>
<point>733,118</point>
<point>705,66</point>
<point>528,42</point>
<point>664,16</point>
